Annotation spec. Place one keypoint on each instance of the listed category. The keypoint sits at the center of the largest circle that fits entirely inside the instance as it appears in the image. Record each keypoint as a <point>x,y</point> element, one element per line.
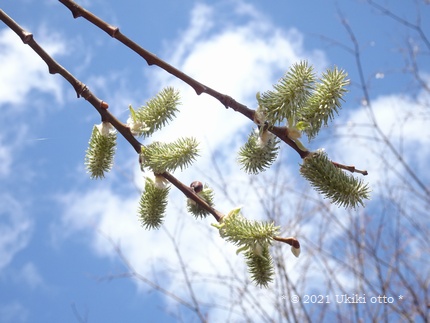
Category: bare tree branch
<point>392,15</point>
<point>188,283</point>
<point>368,105</point>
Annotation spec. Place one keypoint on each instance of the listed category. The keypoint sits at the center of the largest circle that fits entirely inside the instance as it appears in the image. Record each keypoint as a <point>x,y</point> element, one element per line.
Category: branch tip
<point>351,169</point>
<point>293,242</point>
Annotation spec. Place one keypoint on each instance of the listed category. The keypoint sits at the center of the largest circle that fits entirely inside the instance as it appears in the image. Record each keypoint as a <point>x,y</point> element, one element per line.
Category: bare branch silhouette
<point>368,105</point>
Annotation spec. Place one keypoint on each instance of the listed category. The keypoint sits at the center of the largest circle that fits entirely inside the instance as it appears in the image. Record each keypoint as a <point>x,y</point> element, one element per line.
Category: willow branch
<point>101,106</point>
<point>189,192</point>
<point>80,88</point>
<point>151,59</point>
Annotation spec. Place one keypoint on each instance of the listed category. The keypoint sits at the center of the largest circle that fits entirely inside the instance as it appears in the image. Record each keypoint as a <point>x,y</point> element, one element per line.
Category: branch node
<point>82,90</point>
<point>104,105</point>
<point>26,37</point>
<point>73,7</point>
<point>113,30</point>
<point>53,70</point>
<point>227,101</point>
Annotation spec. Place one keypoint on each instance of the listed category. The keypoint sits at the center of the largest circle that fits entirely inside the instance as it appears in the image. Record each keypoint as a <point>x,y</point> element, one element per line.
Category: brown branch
<point>151,59</point>
<point>351,169</point>
<point>101,106</point>
<point>80,88</point>
<point>293,242</point>
<point>190,193</point>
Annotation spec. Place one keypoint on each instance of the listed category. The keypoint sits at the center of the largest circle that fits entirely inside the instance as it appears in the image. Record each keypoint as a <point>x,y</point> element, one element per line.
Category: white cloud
<point>112,216</point>
<point>13,312</point>
<point>15,228</point>
<point>22,70</point>
<point>29,275</point>
<point>102,215</point>
<point>404,122</point>
<point>11,142</point>
<point>5,158</point>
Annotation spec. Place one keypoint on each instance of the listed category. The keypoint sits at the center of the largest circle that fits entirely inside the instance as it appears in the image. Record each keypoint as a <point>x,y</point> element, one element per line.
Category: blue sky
<point>58,228</point>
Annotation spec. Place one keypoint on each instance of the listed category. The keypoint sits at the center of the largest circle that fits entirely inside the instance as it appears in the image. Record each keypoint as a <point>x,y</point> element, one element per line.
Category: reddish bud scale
<point>104,105</point>
<point>197,186</point>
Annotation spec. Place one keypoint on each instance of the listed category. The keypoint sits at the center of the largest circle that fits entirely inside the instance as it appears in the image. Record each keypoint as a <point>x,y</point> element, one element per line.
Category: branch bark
<point>101,106</point>
<point>151,59</point>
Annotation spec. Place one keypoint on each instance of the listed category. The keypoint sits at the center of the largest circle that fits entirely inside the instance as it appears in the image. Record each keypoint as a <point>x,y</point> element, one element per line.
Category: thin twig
<point>293,242</point>
<point>351,169</point>
<point>133,273</point>
<point>375,124</point>
<point>404,22</point>
<point>78,316</point>
<point>191,292</point>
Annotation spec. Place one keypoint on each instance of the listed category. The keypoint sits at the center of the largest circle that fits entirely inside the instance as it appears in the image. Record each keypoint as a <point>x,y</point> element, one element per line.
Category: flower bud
<point>197,186</point>
<point>295,251</point>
